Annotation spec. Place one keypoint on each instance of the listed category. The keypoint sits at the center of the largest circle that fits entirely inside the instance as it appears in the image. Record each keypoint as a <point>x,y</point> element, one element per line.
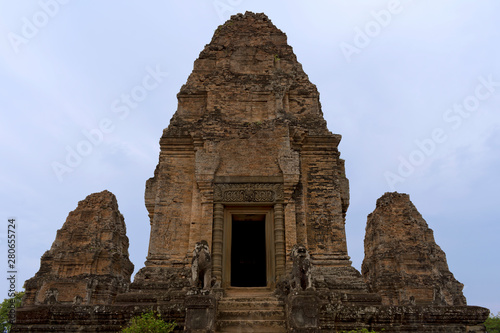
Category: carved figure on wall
<point>51,296</point>
<point>301,277</point>
<point>201,267</point>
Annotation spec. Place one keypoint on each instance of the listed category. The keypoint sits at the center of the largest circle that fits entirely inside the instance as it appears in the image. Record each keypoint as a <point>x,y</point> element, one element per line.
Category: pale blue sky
<point>411,81</point>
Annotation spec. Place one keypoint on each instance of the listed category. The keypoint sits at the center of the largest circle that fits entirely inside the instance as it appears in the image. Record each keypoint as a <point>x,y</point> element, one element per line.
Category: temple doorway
<point>248,250</point>
<point>248,247</point>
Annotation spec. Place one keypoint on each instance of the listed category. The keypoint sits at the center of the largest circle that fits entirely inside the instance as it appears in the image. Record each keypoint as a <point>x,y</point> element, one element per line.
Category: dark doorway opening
<point>248,250</point>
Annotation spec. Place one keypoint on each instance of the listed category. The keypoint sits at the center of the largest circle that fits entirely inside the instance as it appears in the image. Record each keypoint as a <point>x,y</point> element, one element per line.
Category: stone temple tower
<point>249,173</point>
<point>247,157</point>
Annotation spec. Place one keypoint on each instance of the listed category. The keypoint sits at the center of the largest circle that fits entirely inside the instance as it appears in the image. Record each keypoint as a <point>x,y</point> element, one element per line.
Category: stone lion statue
<point>201,267</point>
<point>301,276</point>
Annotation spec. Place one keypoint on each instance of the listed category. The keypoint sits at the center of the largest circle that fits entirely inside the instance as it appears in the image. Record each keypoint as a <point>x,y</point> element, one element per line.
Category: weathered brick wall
<point>173,198</point>
<point>325,221</point>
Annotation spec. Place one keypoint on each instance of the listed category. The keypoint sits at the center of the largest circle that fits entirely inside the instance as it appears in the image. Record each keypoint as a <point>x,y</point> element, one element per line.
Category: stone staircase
<point>250,310</point>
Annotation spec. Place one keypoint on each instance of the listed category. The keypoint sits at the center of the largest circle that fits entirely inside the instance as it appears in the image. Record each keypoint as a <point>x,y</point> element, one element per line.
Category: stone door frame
<point>260,195</point>
<point>268,212</point>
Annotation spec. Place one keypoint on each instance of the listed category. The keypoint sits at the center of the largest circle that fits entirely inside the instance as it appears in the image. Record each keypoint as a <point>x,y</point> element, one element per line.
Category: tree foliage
<point>148,322</point>
<point>7,311</point>
<point>493,323</point>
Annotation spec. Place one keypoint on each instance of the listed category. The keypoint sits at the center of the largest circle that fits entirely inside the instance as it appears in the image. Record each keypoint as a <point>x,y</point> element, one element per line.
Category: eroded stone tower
<point>88,262</point>
<point>402,261</point>
<point>248,142</point>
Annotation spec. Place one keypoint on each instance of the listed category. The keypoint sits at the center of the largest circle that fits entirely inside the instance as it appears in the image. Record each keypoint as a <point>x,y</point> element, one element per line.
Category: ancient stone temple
<point>247,154</point>
<point>247,210</point>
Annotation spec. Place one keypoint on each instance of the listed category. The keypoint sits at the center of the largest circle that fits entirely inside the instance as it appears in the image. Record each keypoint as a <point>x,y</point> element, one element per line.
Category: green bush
<point>148,322</point>
<point>8,305</point>
<point>493,323</point>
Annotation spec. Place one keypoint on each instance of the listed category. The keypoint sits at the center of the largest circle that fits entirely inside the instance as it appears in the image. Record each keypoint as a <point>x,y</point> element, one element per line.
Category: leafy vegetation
<point>148,322</point>
<point>7,310</point>
<point>493,323</point>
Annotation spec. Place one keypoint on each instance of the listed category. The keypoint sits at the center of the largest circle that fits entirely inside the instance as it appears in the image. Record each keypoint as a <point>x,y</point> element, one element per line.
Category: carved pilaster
<point>217,241</point>
<point>279,239</point>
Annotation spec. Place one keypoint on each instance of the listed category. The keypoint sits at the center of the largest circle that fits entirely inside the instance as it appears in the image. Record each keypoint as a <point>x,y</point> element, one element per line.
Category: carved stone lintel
<point>248,192</point>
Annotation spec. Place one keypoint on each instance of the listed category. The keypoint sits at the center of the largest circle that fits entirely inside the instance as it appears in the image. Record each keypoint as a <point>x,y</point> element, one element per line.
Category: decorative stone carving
<point>206,161</point>
<point>51,296</point>
<point>289,162</point>
<point>301,277</point>
<point>201,267</point>
<point>248,192</point>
